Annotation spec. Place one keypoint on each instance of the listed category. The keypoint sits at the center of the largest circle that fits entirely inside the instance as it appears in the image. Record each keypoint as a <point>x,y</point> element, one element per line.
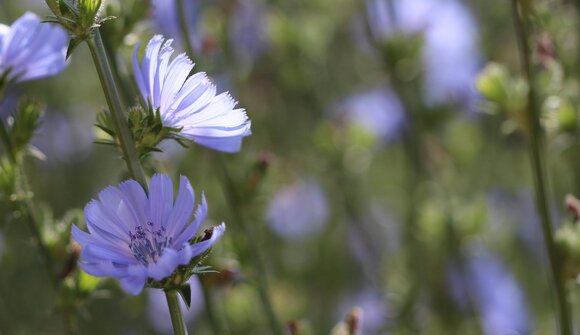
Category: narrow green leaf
<point>185,292</point>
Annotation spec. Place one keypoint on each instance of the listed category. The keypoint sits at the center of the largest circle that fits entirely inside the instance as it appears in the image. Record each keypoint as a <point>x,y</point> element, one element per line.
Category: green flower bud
<point>20,129</point>
<point>505,94</point>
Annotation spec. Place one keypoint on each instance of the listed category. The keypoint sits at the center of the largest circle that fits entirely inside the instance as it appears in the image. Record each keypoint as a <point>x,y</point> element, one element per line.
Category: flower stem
<point>175,312</point>
<point>27,208</point>
<point>26,205</point>
<point>259,268</point>
<point>536,155</point>
<point>231,195</point>
<point>116,108</point>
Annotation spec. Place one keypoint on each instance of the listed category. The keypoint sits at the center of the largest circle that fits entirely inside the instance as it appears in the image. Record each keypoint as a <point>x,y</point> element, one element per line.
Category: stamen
<point>147,244</point>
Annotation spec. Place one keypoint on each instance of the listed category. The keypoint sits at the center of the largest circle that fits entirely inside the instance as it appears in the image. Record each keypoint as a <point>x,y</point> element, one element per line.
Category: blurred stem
<point>177,320</point>
<point>27,208</point>
<point>219,327</point>
<point>25,202</point>
<point>116,110</point>
<point>539,174</point>
<point>183,25</point>
<point>259,269</point>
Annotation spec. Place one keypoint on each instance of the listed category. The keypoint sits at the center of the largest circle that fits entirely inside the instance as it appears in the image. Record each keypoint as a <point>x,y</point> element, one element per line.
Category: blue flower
<point>451,54</point>
<point>497,295</point>
<point>249,30</point>
<point>298,210</point>
<point>189,103</point>
<point>134,236</point>
<point>377,111</point>
<point>30,49</point>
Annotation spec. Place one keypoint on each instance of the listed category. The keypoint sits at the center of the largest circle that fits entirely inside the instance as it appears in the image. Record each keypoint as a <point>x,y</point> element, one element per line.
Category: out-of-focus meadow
<point>378,174</point>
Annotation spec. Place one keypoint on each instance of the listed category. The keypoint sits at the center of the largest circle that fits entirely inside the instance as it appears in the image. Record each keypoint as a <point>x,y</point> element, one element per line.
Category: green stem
<point>536,155</point>
<point>26,205</point>
<point>27,208</point>
<point>218,326</point>
<point>230,192</point>
<point>116,109</point>
<point>177,320</point>
<point>259,268</point>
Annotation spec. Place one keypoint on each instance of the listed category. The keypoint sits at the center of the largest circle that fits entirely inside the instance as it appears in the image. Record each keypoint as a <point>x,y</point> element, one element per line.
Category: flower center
<point>147,244</point>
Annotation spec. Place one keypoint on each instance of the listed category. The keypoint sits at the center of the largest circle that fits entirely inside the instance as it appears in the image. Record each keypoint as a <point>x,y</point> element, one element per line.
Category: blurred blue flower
<point>65,137</point>
<point>378,111</point>
<point>166,21</point>
<point>498,298</point>
<point>134,235</point>
<point>190,104</point>
<point>515,213</point>
<point>298,210</point>
<point>248,31</point>
<point>30,49</point>
<point>450,53</point>
<point>159,313</point>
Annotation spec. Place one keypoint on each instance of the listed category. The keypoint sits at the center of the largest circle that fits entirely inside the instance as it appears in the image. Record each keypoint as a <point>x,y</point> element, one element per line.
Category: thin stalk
<point>259,268</point>
<point>230,192</point>
<point>218,326</point>
<point>536,155</point>
<point>27,206</point>
<point>183,25</point>
<point>116,109</point>
<point>177,320</point>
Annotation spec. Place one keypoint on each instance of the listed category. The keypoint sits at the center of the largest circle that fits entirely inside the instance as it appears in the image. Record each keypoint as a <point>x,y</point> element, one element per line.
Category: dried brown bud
<point>573,206</point>
<point>545,48</point>
<point>293,327</point>
<point>354,320</point>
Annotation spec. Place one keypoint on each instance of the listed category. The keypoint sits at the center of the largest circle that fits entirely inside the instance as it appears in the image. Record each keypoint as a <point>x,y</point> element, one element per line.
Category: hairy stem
<point>177,320</point>
<point>116,109</point>
<point>539,175</point>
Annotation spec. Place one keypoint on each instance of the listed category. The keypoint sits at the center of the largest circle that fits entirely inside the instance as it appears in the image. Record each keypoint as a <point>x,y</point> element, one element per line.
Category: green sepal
<point>185,293</point>
<point>74,42</point>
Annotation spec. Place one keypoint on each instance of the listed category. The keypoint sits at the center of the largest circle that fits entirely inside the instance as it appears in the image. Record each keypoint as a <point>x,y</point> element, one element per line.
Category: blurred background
<point>377,175</point>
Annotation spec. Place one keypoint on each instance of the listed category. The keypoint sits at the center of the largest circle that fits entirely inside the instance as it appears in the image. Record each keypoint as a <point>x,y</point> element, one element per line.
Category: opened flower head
<point>31,49</point>
<point>188,102</point>
<point>134,236</point>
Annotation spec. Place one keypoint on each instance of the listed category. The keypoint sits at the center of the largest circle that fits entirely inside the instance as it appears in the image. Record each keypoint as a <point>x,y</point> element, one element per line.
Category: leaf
<point>185,293</point>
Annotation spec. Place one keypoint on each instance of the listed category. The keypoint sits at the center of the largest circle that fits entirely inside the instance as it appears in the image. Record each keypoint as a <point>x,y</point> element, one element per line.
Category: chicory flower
<point>188,103</point>
<point>134,236</point>
<point>31,49</point>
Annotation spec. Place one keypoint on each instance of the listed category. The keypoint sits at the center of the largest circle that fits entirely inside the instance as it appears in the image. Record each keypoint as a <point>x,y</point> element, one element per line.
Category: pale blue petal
<point>97,215</point>
<point>149,68</point>
<point>182,209</point>
<point>114,203</point>
<point>134,283</point>
<point>103,269</point>
<point>80,236</point>
<point>164,266</point>
<point>174,79</point>
<point>160,199</point>
<point>191,230</point>
<point>98,253</point>
<point>136,196</point>
<point>201,247</point>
